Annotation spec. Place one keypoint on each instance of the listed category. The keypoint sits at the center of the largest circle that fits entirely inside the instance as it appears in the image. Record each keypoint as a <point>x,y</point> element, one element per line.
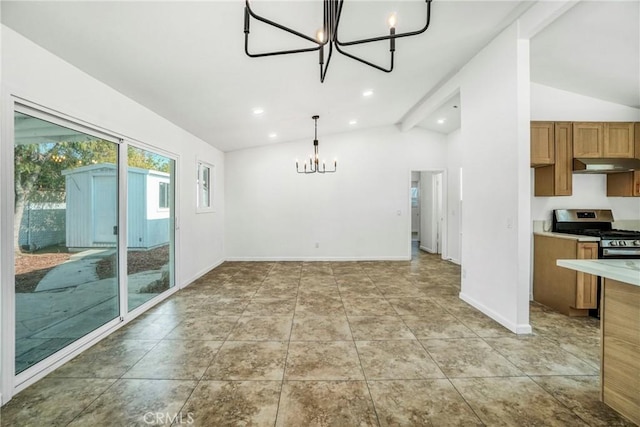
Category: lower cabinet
<point>567,291</point>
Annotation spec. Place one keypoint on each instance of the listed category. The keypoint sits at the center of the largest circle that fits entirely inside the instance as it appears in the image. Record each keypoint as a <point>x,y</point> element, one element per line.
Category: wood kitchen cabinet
<point>618,140</point>
<point>613,140</point>
<point>623,184</point>
<point>567,291</point>
<point>542,144</point>
<point>588,139</point>
<point>554,179</point>
<point>626,184</point>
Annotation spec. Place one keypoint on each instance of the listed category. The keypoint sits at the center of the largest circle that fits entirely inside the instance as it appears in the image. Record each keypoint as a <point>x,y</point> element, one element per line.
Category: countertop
<point>577,237</point>
<point>622,270</point>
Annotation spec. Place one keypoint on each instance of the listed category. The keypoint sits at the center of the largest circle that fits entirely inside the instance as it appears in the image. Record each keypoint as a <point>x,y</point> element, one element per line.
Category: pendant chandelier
<point>328,34</point>
<point>314,160</point>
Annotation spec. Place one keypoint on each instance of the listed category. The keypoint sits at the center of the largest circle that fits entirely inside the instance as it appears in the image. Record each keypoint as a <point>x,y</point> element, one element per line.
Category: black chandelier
<point>314,160</point>
<point>329,35</point>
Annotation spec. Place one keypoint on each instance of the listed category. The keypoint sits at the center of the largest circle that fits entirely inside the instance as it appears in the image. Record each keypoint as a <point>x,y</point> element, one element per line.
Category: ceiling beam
<point>431,102</point>
<point>531,20</point>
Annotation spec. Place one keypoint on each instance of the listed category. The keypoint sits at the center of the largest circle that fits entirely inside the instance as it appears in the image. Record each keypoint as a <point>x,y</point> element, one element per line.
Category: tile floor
<point>326,344</point>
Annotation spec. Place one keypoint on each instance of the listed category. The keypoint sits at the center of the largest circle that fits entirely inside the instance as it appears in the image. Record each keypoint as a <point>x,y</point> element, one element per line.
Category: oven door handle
<point>619,252</point>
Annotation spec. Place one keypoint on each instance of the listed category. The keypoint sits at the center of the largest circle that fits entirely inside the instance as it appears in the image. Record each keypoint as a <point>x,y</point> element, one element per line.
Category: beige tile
<point>366,328</point>
<point>323,360</point>
<point>356,306</point>
<point>271,307</point>
<point>248,360</point>
<point>318,306</point>
<point>514,402</point>
<point>250,328</point>
<point>550,323</point>
<point>469,357</point>
<point>207,328</point>
<point>321,328</point>
<point>405,359</point>
<point>480,324</point>
<point>359,290</point>
<point>52,401</point>
<point>176,359</point>
<point>581,394</point>
<point>110,358</point>
<point>421,403</point>
<point>233,403</point>
<point>224,306</point>
<point>584,348</point>
<point>438,325</point>
<point>416,307</point>
<point>538,356</point>
<point>326,403</point>
<point>135,402</point>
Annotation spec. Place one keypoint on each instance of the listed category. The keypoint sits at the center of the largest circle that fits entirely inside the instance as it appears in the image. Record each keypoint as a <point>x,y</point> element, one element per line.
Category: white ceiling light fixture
<point>273,135</point>
<point>353,122</point>
<point>441,121</point>
<point>314,160</point>
<point>328,34</point>
<point>258,111</point>
<point>367,93</point>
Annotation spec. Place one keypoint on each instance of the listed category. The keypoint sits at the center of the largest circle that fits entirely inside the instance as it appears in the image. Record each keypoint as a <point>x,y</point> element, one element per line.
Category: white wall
<point>33,73</point>
<point>36,75</point>
<point>454,163</point>
<point>496,216</point>
<point>589,191</point>
<point>274,213</point>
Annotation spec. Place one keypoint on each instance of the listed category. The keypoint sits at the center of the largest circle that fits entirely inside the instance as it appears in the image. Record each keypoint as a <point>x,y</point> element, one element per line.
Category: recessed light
<point>367,92</point>
<point>441,121</point>
<point>353,122</point>
<point>258,111</point>
<point>273,135</point>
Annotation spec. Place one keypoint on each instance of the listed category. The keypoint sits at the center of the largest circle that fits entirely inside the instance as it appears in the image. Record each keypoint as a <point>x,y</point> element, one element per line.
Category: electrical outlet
<point>317,245</point>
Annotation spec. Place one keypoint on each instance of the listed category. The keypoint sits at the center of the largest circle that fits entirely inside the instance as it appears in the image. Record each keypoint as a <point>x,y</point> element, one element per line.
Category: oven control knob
<point>636,243</point>
<point>622,243</point>
<point>614,243</point>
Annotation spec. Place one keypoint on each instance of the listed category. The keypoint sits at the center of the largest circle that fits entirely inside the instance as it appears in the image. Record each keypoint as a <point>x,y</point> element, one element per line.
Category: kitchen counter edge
<point>627,271</point>
<point>577,237</point>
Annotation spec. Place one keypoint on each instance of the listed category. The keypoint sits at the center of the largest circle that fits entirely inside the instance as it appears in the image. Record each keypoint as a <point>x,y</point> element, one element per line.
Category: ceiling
<point>185,60</point>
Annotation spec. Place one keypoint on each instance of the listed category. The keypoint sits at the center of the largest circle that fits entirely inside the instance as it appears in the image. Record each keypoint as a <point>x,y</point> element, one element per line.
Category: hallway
<point>342,344</point>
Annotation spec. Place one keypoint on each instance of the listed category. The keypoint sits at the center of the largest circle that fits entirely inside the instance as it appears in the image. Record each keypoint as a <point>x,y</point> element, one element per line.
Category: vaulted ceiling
<point>186,62</point>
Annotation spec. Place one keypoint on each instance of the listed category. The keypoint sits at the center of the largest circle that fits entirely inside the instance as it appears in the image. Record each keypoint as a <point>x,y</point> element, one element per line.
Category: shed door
<point>104,209</point>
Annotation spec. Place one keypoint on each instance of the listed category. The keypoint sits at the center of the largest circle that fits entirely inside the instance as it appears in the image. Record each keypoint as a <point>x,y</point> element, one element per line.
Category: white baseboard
<point>201,273</point>
<point>426,249</point>
<point>320,258</point>
<point>513,327</point>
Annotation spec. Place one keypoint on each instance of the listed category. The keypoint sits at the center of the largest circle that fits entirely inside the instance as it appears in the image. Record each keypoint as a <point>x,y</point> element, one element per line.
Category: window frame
<point>200,166</point>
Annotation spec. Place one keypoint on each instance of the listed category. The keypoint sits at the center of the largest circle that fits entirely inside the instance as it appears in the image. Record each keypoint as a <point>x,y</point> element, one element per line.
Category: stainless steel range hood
<point>605,165</point>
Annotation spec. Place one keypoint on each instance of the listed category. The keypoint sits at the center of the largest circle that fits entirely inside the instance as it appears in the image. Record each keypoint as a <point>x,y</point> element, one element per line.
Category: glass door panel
<point>150,225</point>
<point>65,236</point>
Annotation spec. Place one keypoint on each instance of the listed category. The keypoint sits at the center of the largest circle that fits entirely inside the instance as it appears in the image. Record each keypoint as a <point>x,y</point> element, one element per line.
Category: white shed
<point>91,216</point>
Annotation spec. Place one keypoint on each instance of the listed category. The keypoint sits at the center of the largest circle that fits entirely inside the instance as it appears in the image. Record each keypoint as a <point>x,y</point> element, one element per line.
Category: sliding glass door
<point>150,225</point>
<point>65,236</point>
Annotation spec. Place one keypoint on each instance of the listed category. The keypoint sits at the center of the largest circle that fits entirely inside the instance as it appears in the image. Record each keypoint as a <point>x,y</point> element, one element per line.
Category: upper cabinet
<point>603,140</point>
<point>588,140</point>
<point>542,144</point>
<point>553,179</point>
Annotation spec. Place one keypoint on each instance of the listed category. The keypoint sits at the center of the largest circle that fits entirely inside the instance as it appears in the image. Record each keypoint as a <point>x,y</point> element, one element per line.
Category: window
<point>205,187</point>
<point>164,195</point>
<point>414,195</point>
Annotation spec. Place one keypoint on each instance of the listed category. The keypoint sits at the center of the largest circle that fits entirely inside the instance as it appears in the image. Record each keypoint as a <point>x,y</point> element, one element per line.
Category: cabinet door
<point>618,140</point>
<point>588,140</point>
<point>563,179</point>
<point>587,284</point>
<point>623,184</point>
<point>542,143</point>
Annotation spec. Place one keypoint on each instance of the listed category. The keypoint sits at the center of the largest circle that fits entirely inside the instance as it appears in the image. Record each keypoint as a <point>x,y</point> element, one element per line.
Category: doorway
<point>427,211</point>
